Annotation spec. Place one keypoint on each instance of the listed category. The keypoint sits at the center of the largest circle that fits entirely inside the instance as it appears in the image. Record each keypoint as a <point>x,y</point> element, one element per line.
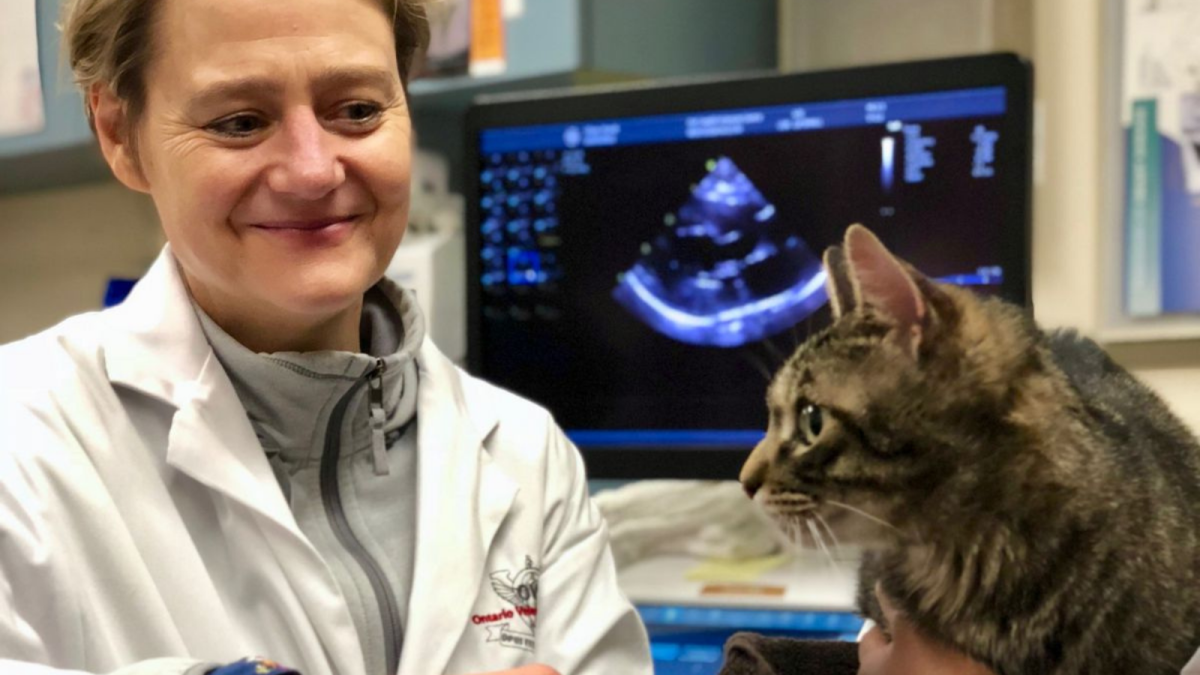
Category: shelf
<point>455,94</point>
<point>56,167</point>
<point>1165,329</point>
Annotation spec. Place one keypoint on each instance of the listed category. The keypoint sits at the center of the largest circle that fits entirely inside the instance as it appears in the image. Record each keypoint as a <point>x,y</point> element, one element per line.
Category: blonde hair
<point>110,42</point>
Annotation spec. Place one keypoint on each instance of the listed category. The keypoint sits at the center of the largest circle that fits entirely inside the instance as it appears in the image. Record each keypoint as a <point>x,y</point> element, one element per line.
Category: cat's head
<point>896,403</point>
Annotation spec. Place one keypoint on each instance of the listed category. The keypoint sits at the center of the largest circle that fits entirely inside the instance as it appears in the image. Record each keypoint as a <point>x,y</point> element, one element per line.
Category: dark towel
<point>754,654</point>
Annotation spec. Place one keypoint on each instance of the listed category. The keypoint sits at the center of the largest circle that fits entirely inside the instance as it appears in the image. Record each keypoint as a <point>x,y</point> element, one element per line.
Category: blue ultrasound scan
<point>722,272</point>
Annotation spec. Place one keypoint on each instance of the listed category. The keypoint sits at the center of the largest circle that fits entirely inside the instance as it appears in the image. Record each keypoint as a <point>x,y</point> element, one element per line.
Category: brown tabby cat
<point>1043,507</point>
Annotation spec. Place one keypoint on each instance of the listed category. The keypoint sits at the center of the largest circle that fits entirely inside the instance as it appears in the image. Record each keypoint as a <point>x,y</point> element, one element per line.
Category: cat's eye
<point>812,421</point>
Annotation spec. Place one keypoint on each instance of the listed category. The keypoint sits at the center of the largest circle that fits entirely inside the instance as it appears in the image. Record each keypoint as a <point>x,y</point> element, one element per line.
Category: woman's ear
<point>115,136</point>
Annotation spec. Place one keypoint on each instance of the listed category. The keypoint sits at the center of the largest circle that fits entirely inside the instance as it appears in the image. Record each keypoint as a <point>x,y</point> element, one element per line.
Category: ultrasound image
<point>721,273</point>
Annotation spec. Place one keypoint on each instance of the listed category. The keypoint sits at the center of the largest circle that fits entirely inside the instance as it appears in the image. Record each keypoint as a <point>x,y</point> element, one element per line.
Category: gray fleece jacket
<point>339,430</point>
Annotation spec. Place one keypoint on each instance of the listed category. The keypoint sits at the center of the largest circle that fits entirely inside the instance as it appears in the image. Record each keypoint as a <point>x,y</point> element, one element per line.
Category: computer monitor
<point>641,258</point>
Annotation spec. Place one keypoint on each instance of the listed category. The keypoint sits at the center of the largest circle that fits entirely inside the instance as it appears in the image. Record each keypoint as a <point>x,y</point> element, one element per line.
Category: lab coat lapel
<point>157,347</point>
<point>211,441</point>
<point>463,497</point>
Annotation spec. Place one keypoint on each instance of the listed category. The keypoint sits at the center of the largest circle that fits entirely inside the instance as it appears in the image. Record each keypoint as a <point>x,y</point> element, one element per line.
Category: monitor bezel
<point>1010,71</point>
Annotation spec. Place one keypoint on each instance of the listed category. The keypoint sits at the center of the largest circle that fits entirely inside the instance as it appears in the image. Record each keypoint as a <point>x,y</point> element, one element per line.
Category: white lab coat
<point>1193,666</point>
<point>140,519</point>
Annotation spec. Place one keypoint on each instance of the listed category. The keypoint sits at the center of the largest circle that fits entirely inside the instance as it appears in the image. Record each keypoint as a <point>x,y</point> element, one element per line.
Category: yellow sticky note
<point>717,569</point>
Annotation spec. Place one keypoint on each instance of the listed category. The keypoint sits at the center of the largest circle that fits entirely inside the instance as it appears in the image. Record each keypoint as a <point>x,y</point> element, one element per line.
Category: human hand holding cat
<point>909,652</point>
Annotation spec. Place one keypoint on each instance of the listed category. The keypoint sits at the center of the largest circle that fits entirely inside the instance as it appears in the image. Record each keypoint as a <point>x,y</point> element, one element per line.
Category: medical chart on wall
<point>1160,113</point>
<point>21,106</point>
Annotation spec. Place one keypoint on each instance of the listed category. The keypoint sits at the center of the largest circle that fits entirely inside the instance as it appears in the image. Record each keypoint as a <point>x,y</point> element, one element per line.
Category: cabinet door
<point>64,152</point>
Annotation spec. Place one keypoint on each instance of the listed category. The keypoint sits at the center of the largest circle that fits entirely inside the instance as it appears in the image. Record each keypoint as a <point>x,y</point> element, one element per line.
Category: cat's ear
<point>880,281</point>
<point>837,282</point>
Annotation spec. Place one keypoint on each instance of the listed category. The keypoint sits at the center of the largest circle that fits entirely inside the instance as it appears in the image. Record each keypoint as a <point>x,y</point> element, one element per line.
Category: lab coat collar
<point>155,345</point>
<point>463,497</point>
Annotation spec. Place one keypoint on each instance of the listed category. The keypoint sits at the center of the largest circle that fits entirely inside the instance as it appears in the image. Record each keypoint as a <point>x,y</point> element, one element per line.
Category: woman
<point>259,452</point>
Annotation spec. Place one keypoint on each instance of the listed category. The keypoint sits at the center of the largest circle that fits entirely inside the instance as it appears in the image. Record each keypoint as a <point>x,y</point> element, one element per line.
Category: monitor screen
<point>641,260</point>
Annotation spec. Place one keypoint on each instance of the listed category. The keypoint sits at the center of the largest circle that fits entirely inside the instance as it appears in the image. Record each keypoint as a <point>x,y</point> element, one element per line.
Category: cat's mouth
<point>788,504</point>
<point>818,523</point>
<point>799,517</point>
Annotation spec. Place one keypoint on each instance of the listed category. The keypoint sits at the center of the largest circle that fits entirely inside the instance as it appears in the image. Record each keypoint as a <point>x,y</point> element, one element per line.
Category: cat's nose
<point>751,489</point>
<point>754,471</point>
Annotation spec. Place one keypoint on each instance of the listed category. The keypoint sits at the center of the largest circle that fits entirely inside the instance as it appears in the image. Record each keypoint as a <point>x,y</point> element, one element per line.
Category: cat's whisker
<point>837,545</point>
<point>820,541</point>
<point>757,364</point>
<point>773,351</point>
<point>864,514</point>
<point>797,535</point>
<point>789,531</point>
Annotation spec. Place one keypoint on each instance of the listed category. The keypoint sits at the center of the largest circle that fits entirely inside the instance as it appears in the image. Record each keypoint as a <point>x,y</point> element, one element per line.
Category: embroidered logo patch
<point>254,666</point>
<point>518,589</point>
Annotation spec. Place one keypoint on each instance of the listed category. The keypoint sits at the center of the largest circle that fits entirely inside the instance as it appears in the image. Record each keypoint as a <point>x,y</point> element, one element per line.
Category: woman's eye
<point>360,112</point>
<point>812,421</point>
<point>238,126</point>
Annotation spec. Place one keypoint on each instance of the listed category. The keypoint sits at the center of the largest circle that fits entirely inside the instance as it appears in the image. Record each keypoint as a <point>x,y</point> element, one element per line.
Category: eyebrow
<point>332,78</point>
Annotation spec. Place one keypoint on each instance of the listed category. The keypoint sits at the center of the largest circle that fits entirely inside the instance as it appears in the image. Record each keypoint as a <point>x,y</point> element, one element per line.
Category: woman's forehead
<point>212,39</point>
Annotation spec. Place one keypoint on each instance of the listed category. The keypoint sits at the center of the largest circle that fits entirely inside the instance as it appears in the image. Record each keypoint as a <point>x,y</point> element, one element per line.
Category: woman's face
<point>275,144</point>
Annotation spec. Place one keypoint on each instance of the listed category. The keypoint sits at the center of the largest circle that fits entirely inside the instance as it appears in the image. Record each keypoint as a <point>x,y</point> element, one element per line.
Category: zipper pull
<point>378,419</point>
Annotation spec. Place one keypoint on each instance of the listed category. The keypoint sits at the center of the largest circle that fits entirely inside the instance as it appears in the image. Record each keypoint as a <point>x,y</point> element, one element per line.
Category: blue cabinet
<point>552,43</point>
<point>64,152</point>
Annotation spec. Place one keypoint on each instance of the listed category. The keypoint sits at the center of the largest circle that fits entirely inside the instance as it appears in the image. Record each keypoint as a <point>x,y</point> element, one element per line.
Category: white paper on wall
<point>513,9</point>
<point>21,106</point>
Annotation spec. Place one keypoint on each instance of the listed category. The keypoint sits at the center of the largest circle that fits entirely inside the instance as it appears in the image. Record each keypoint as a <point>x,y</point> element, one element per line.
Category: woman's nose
<point>308,166</point>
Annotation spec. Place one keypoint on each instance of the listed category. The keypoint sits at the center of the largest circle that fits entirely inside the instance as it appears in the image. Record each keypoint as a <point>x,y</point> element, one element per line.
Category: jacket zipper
<point>331,498</point>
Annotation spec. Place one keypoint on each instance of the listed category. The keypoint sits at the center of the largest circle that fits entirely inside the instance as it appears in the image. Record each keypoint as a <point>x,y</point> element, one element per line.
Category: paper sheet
<point>751,569</point>
<point>21,107</point>
<point>513,9</point>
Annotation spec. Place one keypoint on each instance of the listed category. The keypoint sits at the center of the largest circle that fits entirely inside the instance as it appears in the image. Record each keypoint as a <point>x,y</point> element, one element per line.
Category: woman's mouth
<point>304,224</point>
<point>310,232</point>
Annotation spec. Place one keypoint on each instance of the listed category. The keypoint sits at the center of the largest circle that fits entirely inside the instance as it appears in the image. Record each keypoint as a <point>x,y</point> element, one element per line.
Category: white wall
<point>58,249</point>
<point>1066,40</point>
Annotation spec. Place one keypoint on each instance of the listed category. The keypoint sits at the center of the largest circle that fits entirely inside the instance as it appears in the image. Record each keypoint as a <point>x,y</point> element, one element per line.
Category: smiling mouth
<point>305,224</point>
